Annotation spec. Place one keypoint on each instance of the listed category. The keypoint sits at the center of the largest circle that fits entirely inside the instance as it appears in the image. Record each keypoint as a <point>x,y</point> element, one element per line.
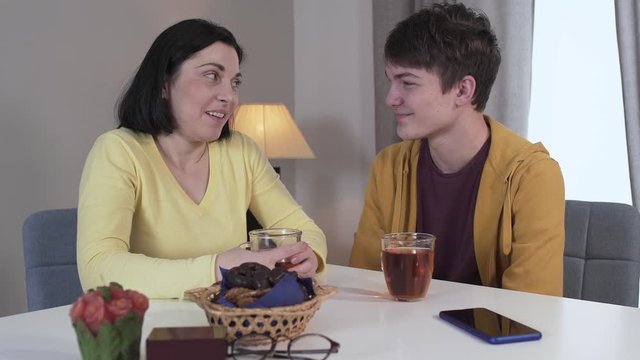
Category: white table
<point>368,325</point>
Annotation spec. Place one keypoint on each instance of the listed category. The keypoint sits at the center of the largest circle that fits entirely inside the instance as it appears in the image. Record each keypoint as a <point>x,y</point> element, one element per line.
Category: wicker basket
<point>283,322</point>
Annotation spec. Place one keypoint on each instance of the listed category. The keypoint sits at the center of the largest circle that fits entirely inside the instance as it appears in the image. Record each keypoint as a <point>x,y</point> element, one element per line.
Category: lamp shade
<point>273,129</point>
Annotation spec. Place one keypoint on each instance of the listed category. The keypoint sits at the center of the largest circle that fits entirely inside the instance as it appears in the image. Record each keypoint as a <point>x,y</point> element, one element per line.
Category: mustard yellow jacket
<point>519,216</point>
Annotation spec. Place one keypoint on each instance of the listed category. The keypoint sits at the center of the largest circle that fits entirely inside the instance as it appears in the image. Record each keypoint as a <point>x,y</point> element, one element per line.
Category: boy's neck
<point>452,150</point>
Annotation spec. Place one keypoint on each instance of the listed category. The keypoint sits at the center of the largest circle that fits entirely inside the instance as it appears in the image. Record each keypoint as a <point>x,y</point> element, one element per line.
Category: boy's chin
<point>405,135</point>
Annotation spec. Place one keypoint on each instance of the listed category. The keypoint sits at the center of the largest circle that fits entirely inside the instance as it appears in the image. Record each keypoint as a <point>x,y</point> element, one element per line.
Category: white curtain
<point>628,30</point>
<point>512,21</point>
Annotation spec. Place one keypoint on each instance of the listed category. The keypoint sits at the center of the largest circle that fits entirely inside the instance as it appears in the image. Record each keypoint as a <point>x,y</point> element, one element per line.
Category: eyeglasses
<point>304,347</point>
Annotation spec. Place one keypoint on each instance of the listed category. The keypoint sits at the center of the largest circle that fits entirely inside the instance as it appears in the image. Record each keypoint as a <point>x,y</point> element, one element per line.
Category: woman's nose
<point>225,93</point>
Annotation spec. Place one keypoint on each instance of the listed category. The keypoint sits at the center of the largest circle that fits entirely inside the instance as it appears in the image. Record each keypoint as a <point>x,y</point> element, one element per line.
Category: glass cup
<point>264,239</point>
<point>407,263</point>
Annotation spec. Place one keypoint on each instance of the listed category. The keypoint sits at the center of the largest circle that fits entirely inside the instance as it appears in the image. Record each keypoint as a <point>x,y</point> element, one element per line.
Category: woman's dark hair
<point>451,40</point>
<point>141,107</point>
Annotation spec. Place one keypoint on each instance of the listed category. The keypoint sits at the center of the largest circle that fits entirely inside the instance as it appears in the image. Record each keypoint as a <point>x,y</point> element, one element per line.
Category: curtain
<point>386,14</point>
<point>512,21</point>
<point>628,28</point>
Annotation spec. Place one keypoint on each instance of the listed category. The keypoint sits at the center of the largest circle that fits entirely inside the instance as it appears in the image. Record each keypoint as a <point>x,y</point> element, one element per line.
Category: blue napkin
<point>285,292</point>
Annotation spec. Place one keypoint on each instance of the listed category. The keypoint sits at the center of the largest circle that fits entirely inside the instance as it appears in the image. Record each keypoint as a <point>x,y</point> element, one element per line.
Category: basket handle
<point>326,291</point>
<point>193,294</point>
<point>200,295</point>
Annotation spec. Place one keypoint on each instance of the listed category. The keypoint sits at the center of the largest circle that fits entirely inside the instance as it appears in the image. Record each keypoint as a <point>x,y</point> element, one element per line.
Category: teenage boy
<point>494,201</point>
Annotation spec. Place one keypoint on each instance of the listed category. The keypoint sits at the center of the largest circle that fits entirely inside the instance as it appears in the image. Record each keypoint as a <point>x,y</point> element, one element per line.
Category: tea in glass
<point>407,263</point>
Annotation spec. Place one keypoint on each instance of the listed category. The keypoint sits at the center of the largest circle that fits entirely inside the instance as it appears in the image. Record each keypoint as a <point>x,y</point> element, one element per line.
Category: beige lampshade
<point>273,129</point>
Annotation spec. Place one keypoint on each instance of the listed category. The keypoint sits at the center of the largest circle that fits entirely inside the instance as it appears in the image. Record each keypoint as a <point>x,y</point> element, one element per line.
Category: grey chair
<point>602,252</point>
<point>49,244</point>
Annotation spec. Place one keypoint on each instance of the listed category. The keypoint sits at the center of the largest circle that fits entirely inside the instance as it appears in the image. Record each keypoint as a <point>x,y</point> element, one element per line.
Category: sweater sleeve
<point>366,249</point>
<point>538,230</point>
<point>273,206</point>
<point>109,190</point>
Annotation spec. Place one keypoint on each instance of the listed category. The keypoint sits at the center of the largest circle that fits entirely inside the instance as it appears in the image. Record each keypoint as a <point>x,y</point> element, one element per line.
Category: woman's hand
<point>301,255</point>
<point>306,262</point>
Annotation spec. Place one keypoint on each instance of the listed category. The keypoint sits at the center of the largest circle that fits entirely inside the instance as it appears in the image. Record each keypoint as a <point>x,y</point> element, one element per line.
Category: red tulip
<point>94,314</point>
<point>117,309</point>
<point>77,310</point>
<point>116,292</point>
<point>139,301</point>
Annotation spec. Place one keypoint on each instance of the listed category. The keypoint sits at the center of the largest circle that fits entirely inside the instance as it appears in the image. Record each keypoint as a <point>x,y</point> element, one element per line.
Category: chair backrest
<point>602,252</point>
<point>49,244</point>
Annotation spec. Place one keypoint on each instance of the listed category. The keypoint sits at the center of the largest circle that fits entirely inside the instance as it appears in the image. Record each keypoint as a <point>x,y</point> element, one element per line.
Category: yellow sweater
<point>518,227</point>
<point>137,226</point>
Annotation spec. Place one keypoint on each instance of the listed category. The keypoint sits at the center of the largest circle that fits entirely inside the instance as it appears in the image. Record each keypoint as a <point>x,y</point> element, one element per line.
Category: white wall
<point>334,101</point>
<point>62,65</point>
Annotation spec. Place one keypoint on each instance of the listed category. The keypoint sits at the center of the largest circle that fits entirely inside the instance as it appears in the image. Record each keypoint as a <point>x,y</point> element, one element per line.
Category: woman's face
<point>204,93</point>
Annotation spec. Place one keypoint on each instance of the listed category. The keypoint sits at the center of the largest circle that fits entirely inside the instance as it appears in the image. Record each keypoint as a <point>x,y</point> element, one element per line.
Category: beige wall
<point>334,107</point>
<point>63,64</point>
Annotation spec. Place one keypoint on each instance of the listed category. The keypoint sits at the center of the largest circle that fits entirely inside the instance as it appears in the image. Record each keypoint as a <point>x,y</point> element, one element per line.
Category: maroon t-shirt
<point>446,207</point>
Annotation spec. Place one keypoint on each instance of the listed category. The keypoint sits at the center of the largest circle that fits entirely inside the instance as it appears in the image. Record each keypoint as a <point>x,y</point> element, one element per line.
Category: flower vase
<point>108,323</point>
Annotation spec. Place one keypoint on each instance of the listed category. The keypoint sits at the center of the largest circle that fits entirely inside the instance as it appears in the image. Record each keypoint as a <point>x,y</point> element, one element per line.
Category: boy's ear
<point>466,90</point>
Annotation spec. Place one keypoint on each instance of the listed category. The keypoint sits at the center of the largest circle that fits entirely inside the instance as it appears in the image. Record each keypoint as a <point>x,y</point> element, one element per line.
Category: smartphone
<point>490,326</point>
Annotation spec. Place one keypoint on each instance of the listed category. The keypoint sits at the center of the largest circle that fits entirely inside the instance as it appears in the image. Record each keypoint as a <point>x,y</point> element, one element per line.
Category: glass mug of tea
<point>264,239</point>
<point>407,263</point>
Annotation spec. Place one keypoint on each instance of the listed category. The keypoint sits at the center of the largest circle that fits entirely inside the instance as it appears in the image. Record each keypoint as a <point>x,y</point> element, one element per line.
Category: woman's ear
<point>466,90</point>
<point>165,90</point>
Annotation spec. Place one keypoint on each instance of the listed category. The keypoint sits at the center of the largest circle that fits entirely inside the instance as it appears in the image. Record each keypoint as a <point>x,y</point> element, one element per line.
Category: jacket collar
<point>508,150</point>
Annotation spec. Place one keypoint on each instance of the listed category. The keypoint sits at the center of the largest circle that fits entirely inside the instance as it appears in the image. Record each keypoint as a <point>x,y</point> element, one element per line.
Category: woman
<point>163,198</point>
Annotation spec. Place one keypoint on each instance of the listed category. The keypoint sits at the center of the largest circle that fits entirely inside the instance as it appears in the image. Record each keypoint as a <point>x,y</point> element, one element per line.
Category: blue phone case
<point>463,319</point>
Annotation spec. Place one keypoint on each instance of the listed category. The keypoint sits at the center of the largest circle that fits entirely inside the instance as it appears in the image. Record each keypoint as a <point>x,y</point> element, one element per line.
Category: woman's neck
<point>180,153</point>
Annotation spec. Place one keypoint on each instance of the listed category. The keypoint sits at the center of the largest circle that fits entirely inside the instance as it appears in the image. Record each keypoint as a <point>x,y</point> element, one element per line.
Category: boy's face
<point>420,107</point>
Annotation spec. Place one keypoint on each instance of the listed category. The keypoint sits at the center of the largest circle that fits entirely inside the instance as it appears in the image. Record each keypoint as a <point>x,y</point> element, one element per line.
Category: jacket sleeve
<point>537,246</point>
<point>366,249</point>
<point>106,210</point>
<point>274,206</point>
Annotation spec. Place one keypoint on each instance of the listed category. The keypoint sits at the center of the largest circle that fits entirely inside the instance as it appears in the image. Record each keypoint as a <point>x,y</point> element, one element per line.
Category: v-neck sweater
<point>137,225</point>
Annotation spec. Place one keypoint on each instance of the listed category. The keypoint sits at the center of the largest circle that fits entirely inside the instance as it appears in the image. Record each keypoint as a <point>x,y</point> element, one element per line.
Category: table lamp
<point>273,129</point>
<point>276,133</point>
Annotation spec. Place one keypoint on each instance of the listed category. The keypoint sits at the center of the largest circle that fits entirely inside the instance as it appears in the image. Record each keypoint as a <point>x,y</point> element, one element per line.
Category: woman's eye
<point>212,75</point>
<point>236,83</point>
